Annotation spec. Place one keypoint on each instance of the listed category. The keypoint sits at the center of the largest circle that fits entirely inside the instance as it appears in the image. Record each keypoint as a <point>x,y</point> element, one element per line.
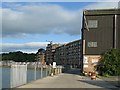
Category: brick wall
<point>91,63</point>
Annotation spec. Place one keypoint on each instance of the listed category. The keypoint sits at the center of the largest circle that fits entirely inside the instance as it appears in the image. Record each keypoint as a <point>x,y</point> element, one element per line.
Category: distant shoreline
<point>5,66</point>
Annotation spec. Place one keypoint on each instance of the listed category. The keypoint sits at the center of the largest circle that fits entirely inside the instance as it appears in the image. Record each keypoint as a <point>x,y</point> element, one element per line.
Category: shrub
<point>98,76</point>
<point>110,63</point>
<point>82,74</point>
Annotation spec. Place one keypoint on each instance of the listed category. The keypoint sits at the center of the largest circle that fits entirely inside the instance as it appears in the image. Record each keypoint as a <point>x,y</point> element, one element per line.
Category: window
<point>92,23</point>
<point>92,44</point>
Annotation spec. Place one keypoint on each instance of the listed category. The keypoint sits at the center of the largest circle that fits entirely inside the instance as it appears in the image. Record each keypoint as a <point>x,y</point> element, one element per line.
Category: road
<point>70,79</point>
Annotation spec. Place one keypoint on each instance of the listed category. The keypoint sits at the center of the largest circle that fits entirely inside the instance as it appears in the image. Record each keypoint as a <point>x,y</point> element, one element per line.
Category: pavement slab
<point>70,79</point>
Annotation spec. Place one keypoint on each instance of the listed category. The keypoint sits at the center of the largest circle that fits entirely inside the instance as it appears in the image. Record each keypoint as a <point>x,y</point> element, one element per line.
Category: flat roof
<point>69,43</point>
<point>73,41</point>
<point>101,11</point>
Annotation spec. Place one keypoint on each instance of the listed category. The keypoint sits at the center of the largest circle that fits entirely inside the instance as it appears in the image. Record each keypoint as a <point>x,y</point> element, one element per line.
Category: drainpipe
<point>115,31</point>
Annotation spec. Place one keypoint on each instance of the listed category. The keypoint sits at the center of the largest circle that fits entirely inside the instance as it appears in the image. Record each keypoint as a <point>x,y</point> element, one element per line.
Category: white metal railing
<point>18,75</point>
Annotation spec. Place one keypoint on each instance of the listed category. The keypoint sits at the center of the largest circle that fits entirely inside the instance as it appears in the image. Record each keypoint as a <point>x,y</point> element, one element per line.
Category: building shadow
<point>74,71</point>
<point>102,84</point>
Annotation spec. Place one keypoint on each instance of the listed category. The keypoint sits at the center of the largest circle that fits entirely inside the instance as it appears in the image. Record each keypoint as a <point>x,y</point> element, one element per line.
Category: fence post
<point>46,70</point>
<point>41,71</point>
<point>35,72</point>
<point>49,70</point>
<point>11,76</point>
<point>56,70</point>
<point>26,74</point>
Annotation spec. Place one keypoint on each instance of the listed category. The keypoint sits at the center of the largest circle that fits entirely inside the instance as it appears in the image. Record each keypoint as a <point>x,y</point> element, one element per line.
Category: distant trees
<point>110,63</point>
<point>18,56</point>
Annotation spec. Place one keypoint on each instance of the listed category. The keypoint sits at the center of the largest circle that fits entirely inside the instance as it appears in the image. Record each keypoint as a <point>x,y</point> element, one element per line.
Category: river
<point>5,78</point>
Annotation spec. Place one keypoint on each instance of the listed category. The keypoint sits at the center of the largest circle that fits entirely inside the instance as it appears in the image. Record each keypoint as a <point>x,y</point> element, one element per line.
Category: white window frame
<point>93,44</point>
<point>92,23</point>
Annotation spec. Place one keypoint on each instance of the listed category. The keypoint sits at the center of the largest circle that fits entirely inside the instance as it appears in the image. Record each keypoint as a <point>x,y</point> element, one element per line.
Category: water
<point>30,76</point>
<point>5,77</point>
<point>0,78</point>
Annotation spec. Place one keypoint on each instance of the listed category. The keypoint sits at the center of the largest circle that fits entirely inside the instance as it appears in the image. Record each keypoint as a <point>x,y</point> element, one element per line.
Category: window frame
<point>94,22</point>
<point>93,44</point>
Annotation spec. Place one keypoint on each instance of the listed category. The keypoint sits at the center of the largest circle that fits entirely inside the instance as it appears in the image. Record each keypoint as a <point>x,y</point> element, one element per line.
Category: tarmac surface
<point>70,79</point>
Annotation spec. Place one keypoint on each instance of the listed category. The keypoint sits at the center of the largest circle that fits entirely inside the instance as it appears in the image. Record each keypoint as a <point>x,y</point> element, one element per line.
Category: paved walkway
<point>70,79</point>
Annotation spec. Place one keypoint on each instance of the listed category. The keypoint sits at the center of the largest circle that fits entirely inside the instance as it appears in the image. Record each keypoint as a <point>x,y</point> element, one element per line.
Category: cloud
<point>40,19</point>
<point>27,47</point>
<point>44,19</point>
<point>60,0</point>
<point>9,47</point>
<point>102,5</point>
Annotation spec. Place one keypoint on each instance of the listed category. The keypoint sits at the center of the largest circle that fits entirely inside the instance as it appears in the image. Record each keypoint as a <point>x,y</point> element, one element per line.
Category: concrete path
<point>70,79</point>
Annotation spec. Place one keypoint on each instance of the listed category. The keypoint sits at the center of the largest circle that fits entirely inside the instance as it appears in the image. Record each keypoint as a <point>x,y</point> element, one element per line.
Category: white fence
<point>18,75</point>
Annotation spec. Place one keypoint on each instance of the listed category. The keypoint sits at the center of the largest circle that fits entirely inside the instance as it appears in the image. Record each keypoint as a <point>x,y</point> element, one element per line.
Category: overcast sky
<point>27,25</point>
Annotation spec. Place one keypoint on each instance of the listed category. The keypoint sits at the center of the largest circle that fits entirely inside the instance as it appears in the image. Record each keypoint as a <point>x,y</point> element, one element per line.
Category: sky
<point>27,25</point>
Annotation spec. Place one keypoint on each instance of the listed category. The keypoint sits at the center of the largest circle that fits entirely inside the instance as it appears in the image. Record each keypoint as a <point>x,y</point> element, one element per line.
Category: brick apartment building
<point>100,32</point>
<point>41,57</point>
<point>69,54</point>
<point>50,50</point>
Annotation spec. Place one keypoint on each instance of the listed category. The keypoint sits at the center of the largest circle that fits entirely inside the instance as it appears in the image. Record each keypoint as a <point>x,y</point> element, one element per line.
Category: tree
<point>110,62</point>
<point>18,56</point>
